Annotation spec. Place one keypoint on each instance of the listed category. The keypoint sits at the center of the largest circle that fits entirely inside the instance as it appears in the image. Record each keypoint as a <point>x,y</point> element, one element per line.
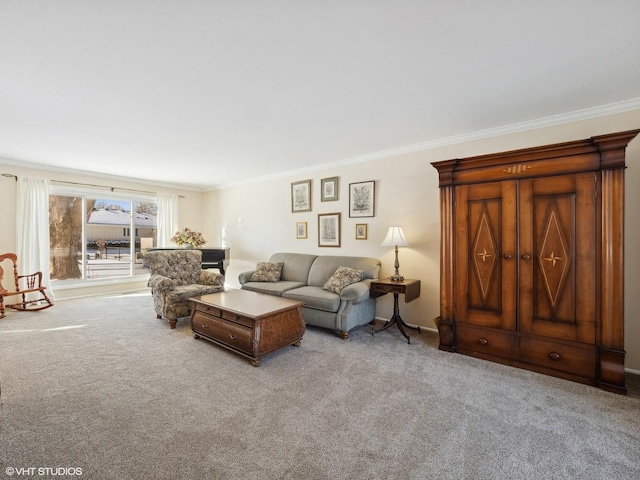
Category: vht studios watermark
<point>43,471</point>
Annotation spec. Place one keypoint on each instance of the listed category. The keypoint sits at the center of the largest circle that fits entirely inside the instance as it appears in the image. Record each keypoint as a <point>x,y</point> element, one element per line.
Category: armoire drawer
<point>489,342</point>
<point>233,334</point>
<point>566,358</point>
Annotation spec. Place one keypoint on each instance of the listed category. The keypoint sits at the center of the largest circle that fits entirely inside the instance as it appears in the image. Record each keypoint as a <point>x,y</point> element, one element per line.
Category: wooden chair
<point>23,284</point>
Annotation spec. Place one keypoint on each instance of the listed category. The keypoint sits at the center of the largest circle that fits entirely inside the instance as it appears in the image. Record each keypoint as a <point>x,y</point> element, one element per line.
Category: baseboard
<point>428,329</point>
<point>435,330</point>
<point>131,291</point>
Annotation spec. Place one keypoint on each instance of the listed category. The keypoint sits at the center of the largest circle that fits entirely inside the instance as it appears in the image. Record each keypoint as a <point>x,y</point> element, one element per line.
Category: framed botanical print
<point>301,229</point>
<point>362,199</point>
<point>301,196</point>
<point>329,189</point>
<point>329,229</point>
<point>361,231</point>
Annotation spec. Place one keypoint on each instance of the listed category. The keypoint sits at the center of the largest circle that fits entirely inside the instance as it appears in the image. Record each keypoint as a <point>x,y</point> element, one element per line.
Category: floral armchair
<point>177,276</point>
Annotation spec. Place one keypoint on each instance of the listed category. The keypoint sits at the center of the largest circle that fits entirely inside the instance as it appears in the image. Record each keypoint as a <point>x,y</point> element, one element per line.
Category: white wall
<point>258,220</point>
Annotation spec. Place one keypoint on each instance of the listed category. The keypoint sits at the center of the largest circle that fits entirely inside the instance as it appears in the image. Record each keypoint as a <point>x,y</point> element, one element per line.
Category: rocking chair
<point>23,285</point>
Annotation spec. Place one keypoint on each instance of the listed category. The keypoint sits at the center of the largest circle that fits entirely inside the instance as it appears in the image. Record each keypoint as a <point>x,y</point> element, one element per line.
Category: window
<point>90,234</point>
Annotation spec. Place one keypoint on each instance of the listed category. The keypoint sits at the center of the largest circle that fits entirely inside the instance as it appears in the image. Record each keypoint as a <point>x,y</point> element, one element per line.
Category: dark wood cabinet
<point>532,258</point>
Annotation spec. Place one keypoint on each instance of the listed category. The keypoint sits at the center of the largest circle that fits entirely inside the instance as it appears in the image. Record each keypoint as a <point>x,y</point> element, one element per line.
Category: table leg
<point>397,320</point>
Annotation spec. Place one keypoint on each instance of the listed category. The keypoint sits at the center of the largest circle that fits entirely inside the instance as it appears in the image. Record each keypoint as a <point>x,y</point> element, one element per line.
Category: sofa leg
<point>172,322</point>
<point>344,335</point>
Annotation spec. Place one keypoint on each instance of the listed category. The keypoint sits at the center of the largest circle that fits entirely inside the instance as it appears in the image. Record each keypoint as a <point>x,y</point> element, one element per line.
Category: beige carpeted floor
<point>99,384</point>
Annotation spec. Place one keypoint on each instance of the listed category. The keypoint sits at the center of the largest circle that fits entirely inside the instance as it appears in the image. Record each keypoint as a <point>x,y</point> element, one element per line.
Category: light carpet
<point>101,385</point>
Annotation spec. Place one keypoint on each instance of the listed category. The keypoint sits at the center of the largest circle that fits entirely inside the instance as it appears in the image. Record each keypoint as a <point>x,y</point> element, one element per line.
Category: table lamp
<point>395,238</point>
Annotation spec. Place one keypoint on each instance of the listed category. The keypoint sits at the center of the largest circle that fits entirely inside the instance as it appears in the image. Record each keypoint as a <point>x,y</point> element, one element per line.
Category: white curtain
<point>167,219</point>
<point>32,229</point>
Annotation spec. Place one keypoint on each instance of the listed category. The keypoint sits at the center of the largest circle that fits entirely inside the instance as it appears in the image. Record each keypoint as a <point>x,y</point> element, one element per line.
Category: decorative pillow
<point>343,277</point>
<point>267,272</point>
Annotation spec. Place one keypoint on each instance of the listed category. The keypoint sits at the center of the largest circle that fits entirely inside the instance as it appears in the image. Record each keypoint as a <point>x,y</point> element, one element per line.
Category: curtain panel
<point>167,219</point>
<point>32,229</point>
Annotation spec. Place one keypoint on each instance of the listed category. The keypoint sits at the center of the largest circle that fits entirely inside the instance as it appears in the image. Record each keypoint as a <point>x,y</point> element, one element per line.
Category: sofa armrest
<point>245,276</point>
<point>356,292</point>
<point>160,283</point>
<point>208,277</point>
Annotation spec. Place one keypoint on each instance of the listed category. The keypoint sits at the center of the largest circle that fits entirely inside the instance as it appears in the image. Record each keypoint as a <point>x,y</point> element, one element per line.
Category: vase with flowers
<point>187,238</point>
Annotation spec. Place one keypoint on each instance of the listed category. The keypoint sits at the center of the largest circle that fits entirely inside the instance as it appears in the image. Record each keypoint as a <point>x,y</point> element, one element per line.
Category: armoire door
<point>485,251</point>
<point>557,252</point>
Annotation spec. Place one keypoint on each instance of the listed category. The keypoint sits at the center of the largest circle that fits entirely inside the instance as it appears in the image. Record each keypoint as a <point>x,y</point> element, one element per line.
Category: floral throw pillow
<point>267,272</point>
<point>343,277</point>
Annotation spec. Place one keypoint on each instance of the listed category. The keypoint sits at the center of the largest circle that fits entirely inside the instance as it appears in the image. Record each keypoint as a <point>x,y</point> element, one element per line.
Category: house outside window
<point>90,235</point>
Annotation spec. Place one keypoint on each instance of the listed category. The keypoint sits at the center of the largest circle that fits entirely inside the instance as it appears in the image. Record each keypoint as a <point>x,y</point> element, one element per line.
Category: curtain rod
<point>91,185</point>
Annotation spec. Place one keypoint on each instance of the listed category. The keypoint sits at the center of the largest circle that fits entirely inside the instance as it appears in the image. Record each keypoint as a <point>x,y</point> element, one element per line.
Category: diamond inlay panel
<point>553,258</point>
<point>484,255</point>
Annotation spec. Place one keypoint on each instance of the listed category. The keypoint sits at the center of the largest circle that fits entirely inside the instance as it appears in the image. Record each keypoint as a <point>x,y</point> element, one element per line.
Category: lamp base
<point>396,278</point>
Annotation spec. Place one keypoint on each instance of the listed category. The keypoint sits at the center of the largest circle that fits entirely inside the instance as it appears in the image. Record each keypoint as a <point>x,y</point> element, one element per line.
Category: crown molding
<point>553,120</point>
<point>103,176</point>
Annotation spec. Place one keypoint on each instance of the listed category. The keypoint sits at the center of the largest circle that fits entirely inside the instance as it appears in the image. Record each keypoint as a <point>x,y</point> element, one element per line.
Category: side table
<point>411,291</point>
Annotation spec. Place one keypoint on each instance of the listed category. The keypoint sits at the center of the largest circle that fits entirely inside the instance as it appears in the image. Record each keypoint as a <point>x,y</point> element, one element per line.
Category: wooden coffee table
<point>248,323</point>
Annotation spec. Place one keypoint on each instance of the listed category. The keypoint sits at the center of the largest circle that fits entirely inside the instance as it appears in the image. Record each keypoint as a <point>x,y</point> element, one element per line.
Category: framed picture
<point>361,231</point>
<point>301,196</point>
<point>329,229</point>
<point>362,199</point>
<point>301,229</point>
<point>329,189</point>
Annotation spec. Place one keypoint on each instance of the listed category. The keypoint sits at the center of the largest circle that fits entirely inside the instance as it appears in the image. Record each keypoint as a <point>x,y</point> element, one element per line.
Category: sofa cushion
<point>325,265</point>
<point>343,277</point>
<point>315,297</point>
<point>267,272</point>
<point>271,288</point>
<point>296,265</point>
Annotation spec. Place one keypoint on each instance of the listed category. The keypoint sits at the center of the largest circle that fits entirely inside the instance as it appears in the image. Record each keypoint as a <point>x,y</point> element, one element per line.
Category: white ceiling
<point>202,94</point>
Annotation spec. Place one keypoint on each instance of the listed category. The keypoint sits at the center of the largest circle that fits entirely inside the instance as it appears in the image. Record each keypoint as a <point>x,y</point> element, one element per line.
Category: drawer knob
<point>554,356</point>
<point>205,325</point>
<point>526,256</point>
<point>232,337</point>
<point>508,256</point>
<point>483,341</point>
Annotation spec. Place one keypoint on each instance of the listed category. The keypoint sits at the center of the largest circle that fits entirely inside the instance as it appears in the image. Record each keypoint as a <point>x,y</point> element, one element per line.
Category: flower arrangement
<point>186,236</point>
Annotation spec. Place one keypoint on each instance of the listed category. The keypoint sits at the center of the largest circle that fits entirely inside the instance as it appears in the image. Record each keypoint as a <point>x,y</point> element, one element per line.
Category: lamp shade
<point>395,236</point>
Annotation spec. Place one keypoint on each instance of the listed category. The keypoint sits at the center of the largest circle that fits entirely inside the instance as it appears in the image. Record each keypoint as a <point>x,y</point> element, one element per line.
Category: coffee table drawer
<point>231,316</point>
<point>232,334</point>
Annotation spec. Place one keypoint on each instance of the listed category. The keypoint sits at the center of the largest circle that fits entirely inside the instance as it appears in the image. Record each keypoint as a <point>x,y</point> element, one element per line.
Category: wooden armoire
<point>532,267</point>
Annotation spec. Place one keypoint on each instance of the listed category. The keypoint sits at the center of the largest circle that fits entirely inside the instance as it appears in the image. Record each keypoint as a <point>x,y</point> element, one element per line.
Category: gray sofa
<point>302,279</point>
